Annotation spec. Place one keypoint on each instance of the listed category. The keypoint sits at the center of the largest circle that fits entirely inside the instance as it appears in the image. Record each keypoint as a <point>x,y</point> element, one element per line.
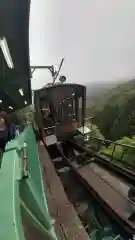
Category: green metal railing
<point>98,144</point>
<point>22,195</point>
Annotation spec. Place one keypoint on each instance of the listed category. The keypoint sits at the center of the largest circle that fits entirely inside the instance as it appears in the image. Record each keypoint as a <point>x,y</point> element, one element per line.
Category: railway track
<point>91,215</point>
<point>127,175</point>
<point>78,170</point>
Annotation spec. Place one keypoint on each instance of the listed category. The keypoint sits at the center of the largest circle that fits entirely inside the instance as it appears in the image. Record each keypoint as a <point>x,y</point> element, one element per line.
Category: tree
<point>105,119</point>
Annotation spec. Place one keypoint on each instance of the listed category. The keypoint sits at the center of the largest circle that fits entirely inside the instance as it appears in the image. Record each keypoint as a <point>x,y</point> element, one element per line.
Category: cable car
<point>60,110</point>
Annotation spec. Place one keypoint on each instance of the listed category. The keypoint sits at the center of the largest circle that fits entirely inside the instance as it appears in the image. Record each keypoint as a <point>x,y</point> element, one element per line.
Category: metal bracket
<point>25,161</point>
<point>50,68</point>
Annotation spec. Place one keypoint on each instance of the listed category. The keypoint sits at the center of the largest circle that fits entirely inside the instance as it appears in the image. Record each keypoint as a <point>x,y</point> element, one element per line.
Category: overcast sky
<point>96,37</point>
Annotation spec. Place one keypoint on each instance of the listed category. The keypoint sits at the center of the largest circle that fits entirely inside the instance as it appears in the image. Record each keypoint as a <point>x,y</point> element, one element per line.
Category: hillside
<point>109,94</point>
<point>115,111</point>
<point>96,90</point>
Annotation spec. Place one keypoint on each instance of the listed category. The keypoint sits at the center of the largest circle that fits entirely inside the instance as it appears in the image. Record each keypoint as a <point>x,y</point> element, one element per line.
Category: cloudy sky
<point>96,38</point>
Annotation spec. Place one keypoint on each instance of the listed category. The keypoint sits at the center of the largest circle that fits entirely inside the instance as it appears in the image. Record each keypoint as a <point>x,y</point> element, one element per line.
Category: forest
<point>113,117</point>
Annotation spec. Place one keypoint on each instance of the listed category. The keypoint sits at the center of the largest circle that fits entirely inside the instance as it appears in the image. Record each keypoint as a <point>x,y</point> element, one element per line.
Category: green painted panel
<point>23,201</point>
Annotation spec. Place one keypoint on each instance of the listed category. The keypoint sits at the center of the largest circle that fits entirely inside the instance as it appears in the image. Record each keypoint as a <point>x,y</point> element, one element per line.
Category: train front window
<point>45,108</point>
<point>62,108</point>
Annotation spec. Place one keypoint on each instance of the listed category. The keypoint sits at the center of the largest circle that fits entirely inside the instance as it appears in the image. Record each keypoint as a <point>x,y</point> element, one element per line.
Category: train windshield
<point>62,106</point>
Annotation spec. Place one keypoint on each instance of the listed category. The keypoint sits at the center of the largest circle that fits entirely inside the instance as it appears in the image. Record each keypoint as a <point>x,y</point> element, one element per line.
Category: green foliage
<point>122,153</point>
<point>95,131</point>
<point>114,96</point>
<point>115,112</point>
<point>115,117</point>
<point>106,118</point>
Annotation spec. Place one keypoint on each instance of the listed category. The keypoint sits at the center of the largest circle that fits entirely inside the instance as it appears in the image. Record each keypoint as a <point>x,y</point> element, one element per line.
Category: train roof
<point>72,85</point>
<point>66,84</point>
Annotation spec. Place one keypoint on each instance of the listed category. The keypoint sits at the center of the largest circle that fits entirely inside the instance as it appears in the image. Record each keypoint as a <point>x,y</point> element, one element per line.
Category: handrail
<point>103,141</point>
<point>22,193</point>
<point>107,155</point>
<point>111,142</point>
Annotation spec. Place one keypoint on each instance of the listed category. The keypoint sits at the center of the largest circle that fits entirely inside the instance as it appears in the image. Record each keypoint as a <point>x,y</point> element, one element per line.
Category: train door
<point>48,122</point>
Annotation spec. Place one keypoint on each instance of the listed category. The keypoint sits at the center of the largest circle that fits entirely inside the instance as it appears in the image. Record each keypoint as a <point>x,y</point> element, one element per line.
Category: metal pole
<point>113,151</point>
